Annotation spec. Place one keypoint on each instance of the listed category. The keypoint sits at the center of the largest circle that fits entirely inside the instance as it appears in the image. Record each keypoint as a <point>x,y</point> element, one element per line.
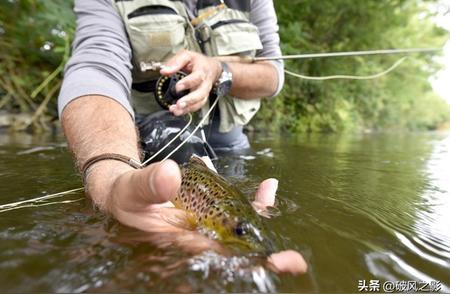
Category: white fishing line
<point>195,130</point>
<point>37,201</point>
<point>170,142</point>
<point>42,204</point>
<point>347,54</point>
<point>349,77</point>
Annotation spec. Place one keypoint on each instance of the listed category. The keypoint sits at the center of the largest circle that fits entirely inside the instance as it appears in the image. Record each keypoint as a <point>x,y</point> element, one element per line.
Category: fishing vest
<point>158,29</point>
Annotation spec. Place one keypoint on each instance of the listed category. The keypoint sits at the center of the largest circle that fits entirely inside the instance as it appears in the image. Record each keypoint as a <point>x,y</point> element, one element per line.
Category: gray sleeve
<point>100,62</point>
<point>263,15</point>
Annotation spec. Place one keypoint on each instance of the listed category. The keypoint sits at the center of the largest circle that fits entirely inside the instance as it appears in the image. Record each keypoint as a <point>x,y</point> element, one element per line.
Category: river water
<point>363,210</point>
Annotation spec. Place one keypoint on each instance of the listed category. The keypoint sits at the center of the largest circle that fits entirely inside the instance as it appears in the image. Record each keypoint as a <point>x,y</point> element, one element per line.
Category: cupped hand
<point>203,72</point>
<point>141,199</point>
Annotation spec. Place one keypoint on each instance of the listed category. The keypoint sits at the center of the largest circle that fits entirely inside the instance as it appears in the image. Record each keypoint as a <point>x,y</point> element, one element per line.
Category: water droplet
<point>47,46</point>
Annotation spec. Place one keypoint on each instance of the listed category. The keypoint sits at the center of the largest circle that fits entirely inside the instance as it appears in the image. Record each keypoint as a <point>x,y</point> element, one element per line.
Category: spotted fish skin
<point>220,208</point>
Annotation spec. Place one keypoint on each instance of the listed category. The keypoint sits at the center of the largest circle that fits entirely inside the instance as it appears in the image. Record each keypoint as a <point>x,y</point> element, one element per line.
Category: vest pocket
<point>156,33</point>
<point>234,36</point>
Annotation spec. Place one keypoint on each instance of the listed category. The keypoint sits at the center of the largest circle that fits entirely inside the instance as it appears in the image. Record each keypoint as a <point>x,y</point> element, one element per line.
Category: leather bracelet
<point>108,156</point>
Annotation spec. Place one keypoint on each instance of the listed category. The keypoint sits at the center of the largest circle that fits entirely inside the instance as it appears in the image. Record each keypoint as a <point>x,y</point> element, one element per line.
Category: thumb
<point>156,183</point>
<point>162,179</point>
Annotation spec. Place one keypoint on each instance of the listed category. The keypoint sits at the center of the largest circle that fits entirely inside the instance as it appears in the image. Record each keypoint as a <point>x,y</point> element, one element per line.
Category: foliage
<point>34,44</point>
<point>35,37</point>
<point>402,99</point>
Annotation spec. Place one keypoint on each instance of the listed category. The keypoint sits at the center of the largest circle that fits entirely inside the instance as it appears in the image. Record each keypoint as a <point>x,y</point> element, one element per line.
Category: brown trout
<point>220,209</point>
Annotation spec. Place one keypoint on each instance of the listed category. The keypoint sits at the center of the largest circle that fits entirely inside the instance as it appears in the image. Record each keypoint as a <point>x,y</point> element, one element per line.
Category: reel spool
<point>166,93</point>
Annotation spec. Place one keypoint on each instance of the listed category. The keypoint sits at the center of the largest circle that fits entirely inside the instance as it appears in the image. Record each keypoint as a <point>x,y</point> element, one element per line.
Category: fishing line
<point>340,54</point>
<point>348,77</point>
<point>195,130</point>
<point>42,204</point>
<point>36,201</point>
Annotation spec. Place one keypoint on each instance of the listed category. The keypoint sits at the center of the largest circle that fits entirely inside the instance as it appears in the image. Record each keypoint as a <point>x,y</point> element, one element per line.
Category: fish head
<point>245,235</point>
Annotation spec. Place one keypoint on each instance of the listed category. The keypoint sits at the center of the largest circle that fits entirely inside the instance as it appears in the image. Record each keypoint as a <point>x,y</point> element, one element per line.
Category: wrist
<point>100,179</point>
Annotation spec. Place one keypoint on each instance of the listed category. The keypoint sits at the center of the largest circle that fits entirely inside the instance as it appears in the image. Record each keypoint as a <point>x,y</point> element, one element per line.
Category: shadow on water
<point>369,207</point>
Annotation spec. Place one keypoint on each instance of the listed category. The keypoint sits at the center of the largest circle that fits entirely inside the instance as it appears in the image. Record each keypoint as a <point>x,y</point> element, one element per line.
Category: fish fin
<point>204,161</point>
<point>191,220</point>
<point>197,159</point>
<point>180,219</point>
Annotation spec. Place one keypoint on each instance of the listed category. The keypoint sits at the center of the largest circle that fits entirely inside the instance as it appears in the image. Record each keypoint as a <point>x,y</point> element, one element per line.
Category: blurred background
<point>35,39</point>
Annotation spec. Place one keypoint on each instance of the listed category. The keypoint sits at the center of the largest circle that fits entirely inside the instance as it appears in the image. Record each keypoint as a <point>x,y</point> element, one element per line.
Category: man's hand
<point>250,81</point>
<point>202,72</point>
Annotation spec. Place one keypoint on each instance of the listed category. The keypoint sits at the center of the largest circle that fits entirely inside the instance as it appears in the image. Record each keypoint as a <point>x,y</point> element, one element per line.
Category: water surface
<point>368,207</point>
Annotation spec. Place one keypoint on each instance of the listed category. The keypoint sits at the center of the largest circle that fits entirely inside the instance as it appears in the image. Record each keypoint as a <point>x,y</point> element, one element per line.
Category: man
<point>97,115</point>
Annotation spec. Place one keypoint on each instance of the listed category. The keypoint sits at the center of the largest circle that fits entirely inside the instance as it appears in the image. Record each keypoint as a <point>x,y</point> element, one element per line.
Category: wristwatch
<point>223,85</point>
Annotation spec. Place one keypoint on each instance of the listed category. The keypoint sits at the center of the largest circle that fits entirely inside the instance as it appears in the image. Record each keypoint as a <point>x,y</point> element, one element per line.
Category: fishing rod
<point>156,65</point>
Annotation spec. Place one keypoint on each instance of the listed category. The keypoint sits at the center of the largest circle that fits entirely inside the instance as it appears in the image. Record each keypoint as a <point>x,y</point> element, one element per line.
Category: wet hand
<point>202,72</point>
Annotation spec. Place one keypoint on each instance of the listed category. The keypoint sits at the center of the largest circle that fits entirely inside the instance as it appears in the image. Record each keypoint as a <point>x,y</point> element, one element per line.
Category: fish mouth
<point>253,247</point>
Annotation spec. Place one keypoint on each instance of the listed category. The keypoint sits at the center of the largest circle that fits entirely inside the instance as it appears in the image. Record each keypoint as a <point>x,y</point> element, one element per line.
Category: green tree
<point>403,99</point>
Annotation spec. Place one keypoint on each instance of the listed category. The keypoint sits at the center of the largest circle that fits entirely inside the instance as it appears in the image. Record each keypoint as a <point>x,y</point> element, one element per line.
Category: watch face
<point>225,81</point>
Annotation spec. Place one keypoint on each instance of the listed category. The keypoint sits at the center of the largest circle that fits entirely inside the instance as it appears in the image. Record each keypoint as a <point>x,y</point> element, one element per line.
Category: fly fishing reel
<point>166,93</point>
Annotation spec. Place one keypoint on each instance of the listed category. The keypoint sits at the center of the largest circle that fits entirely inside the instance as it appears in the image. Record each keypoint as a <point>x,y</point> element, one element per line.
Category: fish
<point>220,210</point>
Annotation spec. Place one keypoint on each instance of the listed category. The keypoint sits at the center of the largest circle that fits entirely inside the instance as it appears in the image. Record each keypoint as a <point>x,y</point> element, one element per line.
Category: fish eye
<point>240,229</point>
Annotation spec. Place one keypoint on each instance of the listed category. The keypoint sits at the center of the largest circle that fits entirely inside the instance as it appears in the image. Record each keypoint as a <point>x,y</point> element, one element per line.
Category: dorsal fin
<point>198,160</point>
<point>205,162</point>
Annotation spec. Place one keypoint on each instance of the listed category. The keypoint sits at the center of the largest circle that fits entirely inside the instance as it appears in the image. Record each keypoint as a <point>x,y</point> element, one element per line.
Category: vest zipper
<point>227,22</point>
<point>151,10</point>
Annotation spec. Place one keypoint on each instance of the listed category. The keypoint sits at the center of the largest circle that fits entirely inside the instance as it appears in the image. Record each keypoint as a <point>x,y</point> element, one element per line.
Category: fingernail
<point>167,68</point>
<point>182,104</point>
